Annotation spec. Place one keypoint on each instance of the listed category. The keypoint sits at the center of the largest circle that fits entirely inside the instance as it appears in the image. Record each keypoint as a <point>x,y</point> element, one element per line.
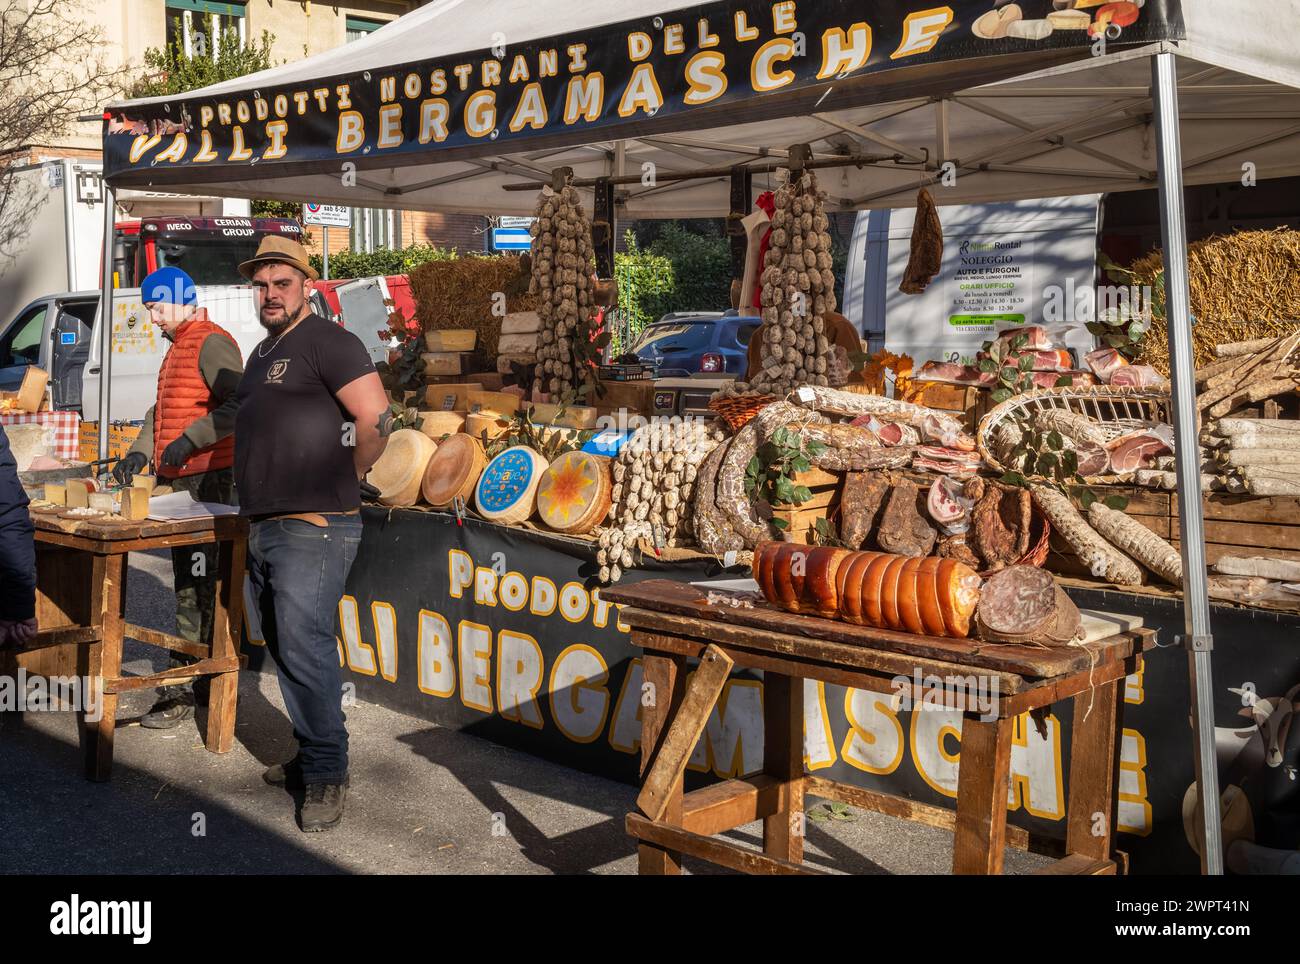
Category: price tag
<point>805,394</point>
<point>729,558</point>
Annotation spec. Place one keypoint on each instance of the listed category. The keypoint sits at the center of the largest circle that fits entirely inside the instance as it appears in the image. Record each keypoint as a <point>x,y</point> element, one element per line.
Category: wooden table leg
<point>109,615</point>
<point>783,831</point>
<point>227,618</point>
<point>1094,771</point>
<point>666,675</point>
<point>982,776</point>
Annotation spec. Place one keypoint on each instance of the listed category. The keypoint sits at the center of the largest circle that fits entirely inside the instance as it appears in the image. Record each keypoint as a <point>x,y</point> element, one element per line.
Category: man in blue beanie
<point>189,436</point>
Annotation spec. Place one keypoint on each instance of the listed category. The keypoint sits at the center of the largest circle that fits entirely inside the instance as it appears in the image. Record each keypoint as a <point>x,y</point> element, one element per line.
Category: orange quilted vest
<point>183,397</point>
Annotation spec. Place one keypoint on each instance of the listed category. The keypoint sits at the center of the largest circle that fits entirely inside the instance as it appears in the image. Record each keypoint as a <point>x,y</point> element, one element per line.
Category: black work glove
<point>129,466</point>
<point>369,492</point>
<point>178,453</point>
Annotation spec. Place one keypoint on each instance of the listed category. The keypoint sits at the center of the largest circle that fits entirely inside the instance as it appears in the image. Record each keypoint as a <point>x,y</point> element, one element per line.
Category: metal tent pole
<point>106,318</point>
<point>1196,639</point>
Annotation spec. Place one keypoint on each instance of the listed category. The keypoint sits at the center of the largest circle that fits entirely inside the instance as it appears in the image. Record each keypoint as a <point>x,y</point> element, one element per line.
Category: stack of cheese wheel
<point>507,489</point>
<point>400,470</point>
<point>574,494</point>
<point>453,471</point>
<point>923,595</point>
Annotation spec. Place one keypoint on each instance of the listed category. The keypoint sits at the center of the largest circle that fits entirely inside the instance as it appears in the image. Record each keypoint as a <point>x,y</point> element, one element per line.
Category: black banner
<point>711,60</point>
<point>501,632</point>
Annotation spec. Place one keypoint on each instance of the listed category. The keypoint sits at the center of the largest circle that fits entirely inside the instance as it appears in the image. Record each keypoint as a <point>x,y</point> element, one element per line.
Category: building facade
<point>300,28</point>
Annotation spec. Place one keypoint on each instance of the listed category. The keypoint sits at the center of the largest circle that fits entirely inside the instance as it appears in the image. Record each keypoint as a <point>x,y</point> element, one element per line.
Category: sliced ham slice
<point>1046,360</point>
<point>1139,376</point>
<point>1093,458</point>
<point>946,461</point>
<point>1077,379</point>
<point>954,374</point>
<point>1105,362</point>
<point>1138,450</point>
<point>1036,338</point>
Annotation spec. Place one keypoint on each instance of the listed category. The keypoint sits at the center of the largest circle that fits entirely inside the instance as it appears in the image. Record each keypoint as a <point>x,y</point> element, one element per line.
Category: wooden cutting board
<point>1098,625</point>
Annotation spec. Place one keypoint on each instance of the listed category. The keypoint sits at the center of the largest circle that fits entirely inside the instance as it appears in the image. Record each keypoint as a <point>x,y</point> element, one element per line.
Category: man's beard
<point>275,327</point>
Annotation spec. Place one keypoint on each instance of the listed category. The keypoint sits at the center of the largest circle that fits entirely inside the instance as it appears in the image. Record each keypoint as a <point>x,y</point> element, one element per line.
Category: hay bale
<point>459,294</point>
<point>1242,286</point>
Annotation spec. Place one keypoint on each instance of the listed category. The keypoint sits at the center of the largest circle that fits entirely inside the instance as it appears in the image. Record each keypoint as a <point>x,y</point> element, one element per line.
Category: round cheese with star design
<point>574,495</point>
<point>507,489</point>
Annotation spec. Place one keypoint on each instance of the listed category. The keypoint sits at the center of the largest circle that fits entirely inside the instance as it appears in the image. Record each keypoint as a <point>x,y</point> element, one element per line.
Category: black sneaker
<point>322,806</point>
<point>287,775</point>
<point>168,712</point>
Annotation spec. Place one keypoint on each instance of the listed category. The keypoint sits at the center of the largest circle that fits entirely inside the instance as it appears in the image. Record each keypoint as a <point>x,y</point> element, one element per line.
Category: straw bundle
<point>459,294</point>
<point>1243,286</point>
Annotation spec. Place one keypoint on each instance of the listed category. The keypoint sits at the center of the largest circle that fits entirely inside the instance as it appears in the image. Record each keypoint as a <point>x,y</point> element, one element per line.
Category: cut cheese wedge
<point>453,471</point>
<point>507,489</point>
<point>436,425</point>
<point>400,470</point>
<point>493,427</point>
<point>574,495</point>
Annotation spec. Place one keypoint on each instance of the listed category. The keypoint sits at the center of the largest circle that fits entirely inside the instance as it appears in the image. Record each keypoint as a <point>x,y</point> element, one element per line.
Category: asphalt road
<point>424,799</point>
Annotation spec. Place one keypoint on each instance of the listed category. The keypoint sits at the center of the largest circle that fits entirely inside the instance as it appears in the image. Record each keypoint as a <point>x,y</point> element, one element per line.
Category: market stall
<point>1021,100</point>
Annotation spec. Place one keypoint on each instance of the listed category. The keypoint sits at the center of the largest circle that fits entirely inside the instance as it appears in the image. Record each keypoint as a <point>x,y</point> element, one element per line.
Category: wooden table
<point>81,614</point>
<point>674,622</point>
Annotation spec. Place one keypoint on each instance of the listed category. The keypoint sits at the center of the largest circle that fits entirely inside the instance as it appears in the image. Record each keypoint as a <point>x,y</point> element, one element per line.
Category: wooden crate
<point>801,520</point>
<point>967,402</point>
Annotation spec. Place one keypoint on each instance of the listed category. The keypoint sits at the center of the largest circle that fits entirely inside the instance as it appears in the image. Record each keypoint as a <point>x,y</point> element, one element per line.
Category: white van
<point>1004,265</point>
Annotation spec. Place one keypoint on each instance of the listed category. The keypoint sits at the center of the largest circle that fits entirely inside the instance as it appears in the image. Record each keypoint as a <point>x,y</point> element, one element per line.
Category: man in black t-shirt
<point>312,421</point>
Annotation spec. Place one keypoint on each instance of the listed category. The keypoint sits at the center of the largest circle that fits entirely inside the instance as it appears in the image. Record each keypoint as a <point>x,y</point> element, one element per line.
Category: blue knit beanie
<point>170,286</point>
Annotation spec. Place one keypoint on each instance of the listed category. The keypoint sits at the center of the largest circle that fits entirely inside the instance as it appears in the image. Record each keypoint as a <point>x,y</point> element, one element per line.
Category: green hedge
<point>384,261</point>
<point>646,284</point>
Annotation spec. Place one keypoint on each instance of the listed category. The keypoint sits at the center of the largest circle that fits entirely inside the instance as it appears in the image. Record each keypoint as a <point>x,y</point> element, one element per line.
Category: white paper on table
<point>180,506</point>
<point>729,585</point>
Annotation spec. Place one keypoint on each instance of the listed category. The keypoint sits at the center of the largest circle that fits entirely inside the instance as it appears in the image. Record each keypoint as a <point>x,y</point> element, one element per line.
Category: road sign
<point>511,239</point>
<point>511,221</point>
<point>327,215</point>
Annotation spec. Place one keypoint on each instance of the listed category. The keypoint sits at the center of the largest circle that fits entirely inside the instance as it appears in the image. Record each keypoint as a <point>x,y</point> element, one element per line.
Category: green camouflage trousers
<point>194,568</point>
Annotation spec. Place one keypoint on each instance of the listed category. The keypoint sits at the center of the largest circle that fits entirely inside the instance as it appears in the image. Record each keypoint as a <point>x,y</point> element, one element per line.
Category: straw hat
<point>278,250</point>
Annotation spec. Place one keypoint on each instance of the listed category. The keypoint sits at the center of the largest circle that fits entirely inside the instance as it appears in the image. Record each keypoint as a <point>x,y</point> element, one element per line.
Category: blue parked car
<point>683,344</point>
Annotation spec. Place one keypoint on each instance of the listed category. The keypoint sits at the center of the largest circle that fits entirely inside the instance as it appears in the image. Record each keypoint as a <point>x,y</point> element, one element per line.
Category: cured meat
<point>889,433</point>
<point>947,461</point>
<point>1105,362</point>
<point>1102,559</point>
<point>851,404</point>
<point>1093,458</point>
<point>1036,339</point>
<point>1138,450</point>
<point>902,529</point>
<point>956,547</point>
<point>712,532</point>
<point>1024,605</point>
<point>1073,425</point>
<point>944,504</point>
<point>738,508</point>
<point>951,372</point>
<point>1046,360</point>
<point>850,448</point>
<point>940,429</point>
<point>1000,519</point>
<point>1137,541</point>
<point>799,578</point>
<point>864,493</point>
<point>1139,376</point>
<point>1077,379</point>
<point>926,256</point>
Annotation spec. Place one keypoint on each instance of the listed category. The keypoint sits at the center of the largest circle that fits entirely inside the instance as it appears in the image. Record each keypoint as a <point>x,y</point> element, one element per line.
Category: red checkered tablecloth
<point>64,426</point>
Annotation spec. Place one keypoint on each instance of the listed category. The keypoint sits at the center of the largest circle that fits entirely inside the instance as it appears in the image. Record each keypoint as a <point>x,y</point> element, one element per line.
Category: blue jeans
<point>298,572</point>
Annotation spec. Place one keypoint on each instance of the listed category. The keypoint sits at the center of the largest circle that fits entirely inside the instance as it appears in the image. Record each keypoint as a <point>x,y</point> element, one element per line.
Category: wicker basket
<point>1116,411</point>
<point>738,410</point>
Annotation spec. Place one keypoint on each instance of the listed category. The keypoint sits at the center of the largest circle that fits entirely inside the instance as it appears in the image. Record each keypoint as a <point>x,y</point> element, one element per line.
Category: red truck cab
<point>209,250</point>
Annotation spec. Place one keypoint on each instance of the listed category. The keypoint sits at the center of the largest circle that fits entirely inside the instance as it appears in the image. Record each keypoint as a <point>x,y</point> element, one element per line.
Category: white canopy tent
<point>1015,119</point>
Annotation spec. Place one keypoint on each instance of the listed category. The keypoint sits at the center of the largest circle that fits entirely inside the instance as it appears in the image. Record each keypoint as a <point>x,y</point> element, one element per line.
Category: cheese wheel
<point>437,424</point>
<point>400,470</point>
<point>453,471</point>
<point>496,404</point>
<point>507,489</point>
<point>479,425</point>
<point>574,494</point>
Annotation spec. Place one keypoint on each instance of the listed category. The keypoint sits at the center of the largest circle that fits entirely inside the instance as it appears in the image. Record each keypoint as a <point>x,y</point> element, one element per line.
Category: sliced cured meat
<point>1036,339</point>
<point>1136,450</point>
<point>1093,458</point>
<point>1077,379</point>
<point>946,461</point>
<point>1105,362</point>
<point>946,433</point>
<point>1024,605</point>
<point>1139,376</point>
<point>894,433</point>
<point>1000,520</point>
<point>953,373</point>
<point>956,547</point>
<point>902,528</point>
<point>1047,360</point>
<point>944,503</point>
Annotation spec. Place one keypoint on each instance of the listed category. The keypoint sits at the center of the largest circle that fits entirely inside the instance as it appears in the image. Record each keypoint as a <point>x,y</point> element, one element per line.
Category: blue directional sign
<point>511,239</point>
